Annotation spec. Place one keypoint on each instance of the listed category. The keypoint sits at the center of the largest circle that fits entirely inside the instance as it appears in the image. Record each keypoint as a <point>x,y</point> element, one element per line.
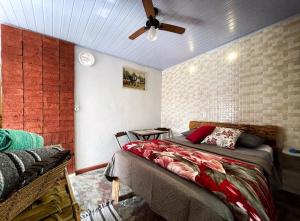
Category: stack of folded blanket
<point>19,140</point>
<point>55,205</point>
<point>18,168</point>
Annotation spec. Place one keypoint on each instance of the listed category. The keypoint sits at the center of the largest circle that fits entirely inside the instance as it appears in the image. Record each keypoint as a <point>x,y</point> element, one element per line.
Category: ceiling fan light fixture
<point>152,34</point>
<point>153,24</point>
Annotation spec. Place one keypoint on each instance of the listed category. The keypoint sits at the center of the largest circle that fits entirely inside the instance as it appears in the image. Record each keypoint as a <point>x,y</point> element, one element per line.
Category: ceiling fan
<point>153,24</point>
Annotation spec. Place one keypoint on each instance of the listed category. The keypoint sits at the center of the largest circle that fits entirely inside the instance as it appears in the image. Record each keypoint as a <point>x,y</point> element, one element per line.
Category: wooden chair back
<point>121,134</point>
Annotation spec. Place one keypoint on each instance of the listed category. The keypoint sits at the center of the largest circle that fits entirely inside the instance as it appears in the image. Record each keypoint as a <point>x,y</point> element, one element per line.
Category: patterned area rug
<point>93,192</point>
<point>92,189</point>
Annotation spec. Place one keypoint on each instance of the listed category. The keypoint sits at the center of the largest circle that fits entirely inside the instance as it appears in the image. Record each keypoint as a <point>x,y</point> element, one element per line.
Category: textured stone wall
<point>38,85</point>
<point>261,86</point>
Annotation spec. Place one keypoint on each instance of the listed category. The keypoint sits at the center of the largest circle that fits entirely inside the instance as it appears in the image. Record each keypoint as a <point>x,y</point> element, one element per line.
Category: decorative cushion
<point>200,133</point>
<point>223,137</point>
<point>249,140</point>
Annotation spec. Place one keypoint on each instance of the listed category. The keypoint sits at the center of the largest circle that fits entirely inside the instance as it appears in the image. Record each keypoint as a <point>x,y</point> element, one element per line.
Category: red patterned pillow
<point>200,133</point>
<point>223,137</point>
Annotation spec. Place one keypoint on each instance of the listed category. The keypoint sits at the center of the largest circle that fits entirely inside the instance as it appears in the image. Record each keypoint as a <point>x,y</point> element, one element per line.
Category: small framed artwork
<point>133,78</point>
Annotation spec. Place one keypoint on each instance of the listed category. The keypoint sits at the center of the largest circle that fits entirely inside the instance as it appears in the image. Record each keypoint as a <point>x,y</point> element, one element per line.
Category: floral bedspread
<point>242,186</point>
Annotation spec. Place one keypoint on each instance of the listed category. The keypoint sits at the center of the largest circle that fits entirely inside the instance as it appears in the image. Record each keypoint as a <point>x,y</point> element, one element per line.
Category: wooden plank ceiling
<point>104,25</point>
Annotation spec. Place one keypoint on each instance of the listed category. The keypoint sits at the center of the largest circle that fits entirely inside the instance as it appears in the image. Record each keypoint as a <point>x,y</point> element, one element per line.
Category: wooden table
<point>146,134</point>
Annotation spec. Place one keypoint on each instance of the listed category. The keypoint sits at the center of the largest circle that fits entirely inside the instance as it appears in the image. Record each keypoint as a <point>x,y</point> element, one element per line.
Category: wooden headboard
<point>269,132</point>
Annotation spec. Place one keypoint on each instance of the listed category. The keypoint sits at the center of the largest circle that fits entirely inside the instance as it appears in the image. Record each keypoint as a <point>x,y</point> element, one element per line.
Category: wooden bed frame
<point>269,132</point>
<point>161,188</point>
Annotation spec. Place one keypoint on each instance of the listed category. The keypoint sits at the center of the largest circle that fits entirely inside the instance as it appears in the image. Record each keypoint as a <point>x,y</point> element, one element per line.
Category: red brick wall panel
<point>52,138</point>
<point>32,54</point>
<point>16,91</point>
<point>62,137</point>
<point>16,117</point>
<point>33,82</point>
<point>12,74</point>
<point>51,76</point>
<point>50,116</point>
<point>66,116</point>
<point>12,84</point>
<point>70,137</point>
<point>36,101</point>
<point>66,50</point>
<point>51,127</point>
<point>66,112</point>
<point>32,38</point>
<point>16,111</point>
<point>31,111</point>
<point>66,125</point>
<point>66,97</point>
<point>65,67</point>
<point>10,106</point>
<point>12,124</point>
<point>35,70</point>
<point>49,42</point>
<point>50,57</point>
<point>71,164</point>
<point>32,48</point>
<point>11,36</point>
<point>12,54</point>
<point>51,106</point>
<point>47,138</point>
<point>36,104</point>
<point>34,117</point>
<point>51,97</point>
<point>55,138</point>
<point>66,63</point>
<point>36,96</point>
<point>38,86</point>
<point>51,112</point>
<point>12,42</point>
<point>15,98</point>
<point>33,76</point>
<point>33,126</point>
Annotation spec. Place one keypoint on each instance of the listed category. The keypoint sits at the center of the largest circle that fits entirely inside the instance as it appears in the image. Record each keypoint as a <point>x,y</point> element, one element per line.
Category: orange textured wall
<point>38,86</point>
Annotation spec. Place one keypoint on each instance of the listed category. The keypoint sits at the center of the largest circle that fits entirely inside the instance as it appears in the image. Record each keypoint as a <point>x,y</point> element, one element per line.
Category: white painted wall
<point>106,107</point>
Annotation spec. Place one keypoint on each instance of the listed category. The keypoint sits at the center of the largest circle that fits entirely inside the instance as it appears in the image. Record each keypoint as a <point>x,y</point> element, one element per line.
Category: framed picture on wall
<point>133,78</point>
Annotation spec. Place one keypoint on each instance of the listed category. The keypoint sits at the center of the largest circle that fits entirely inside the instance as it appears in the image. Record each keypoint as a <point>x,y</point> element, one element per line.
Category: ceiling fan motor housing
<point>152,22</point>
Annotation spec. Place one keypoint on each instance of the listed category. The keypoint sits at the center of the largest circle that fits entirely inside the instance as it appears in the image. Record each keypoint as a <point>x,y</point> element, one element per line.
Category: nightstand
<point>290,171</point>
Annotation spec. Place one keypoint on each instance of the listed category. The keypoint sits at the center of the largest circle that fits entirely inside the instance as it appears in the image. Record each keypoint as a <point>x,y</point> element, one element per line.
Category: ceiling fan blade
<point>149,9</point>
<point>171,28</point>
<point>137,33</point>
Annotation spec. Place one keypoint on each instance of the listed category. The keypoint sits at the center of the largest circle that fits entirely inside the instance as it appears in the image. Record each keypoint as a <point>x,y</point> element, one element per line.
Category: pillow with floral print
<point>223,137</point>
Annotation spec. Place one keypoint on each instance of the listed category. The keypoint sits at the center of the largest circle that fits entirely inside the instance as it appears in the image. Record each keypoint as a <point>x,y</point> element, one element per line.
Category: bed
<point>176,198</point>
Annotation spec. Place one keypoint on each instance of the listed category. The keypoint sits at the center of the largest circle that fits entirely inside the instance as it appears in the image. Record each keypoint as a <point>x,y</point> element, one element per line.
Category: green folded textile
<point>19,140</point>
